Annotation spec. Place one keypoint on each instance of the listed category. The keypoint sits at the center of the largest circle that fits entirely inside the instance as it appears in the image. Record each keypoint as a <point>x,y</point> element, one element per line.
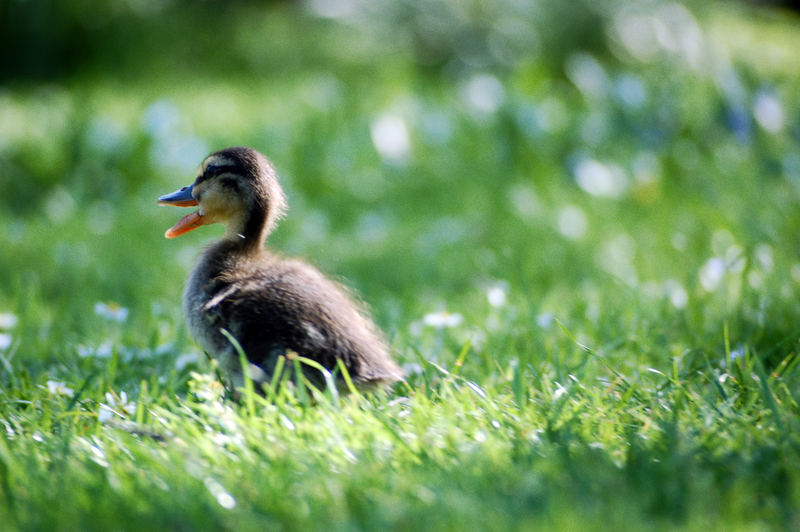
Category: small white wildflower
<point>59,388</point>
<point>497,295</point>
<point>765,258</point>
<point>601,179</point>
<point>712,273</point>
<point>443,319</point>
<point>205,387</point>
<point>390,137</point>
<point>738,352</point>
<point>219,492</point>
<point>8,320</point>
<point>104,350</point>
<point>571,222</point>
<point>117,405</point>
<point>676,293</point>
<point>545,320</point>
<point>768,111</point>
<point>5,341</point>
<point>483,94</point>
<point>111,311</point>
<point>221,439</point>
<point>225,440</point>
<point>559,392</point>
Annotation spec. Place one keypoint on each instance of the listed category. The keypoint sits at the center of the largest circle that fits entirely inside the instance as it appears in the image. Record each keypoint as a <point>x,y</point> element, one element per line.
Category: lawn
<point>577,226</point>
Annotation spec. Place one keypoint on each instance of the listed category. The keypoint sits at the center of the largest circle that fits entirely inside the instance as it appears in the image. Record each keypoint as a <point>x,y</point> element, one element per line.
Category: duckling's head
<point>237,187</point>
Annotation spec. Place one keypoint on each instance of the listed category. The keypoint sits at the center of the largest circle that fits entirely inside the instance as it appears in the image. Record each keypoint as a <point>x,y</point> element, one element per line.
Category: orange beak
<point>182,198</point>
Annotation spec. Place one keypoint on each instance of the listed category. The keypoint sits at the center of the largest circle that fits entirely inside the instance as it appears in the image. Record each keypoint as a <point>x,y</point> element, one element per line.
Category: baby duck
<point>273,306</point>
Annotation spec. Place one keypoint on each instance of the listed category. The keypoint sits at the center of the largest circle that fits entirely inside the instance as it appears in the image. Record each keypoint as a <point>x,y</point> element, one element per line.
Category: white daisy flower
<point>8,320</point>
<point>497,294</point>
<point>443,319</point>
<point>111,311</point>
<point>117,405</point>
<point>59,388</point>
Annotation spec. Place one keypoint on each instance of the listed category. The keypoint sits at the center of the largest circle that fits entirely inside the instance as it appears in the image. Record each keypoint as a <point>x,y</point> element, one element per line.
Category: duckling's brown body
<point>270,304</point>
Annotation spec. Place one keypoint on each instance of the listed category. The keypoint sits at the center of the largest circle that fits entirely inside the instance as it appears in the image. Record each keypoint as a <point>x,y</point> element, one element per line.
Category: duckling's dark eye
<point>227,182</point>
<point>211,170</point>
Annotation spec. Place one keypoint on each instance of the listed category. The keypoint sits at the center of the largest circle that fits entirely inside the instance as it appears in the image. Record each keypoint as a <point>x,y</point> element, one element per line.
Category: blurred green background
<point>577,223</point>
<point>598,161</point>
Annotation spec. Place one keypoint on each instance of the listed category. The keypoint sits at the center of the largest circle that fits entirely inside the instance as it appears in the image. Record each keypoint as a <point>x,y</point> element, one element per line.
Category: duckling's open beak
<point>182,198</point>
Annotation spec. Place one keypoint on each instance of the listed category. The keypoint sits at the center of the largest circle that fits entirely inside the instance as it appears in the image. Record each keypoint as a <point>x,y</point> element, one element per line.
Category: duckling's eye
<point>211,170</point>
<point>227,182</point>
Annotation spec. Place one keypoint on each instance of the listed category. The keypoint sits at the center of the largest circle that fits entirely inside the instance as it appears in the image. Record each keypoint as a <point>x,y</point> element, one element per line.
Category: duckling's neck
<point>247,234</point>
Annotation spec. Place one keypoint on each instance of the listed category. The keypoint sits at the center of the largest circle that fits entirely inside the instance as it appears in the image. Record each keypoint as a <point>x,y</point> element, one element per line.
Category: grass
<point>588,267</point>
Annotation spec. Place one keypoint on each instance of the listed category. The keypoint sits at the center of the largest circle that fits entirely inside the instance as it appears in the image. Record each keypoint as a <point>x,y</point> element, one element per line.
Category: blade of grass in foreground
<point>249,390</point>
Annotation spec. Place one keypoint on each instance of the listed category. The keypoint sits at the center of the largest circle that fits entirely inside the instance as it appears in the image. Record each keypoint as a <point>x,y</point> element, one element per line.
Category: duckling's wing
<point>291,306</point>
<point>219,297</point>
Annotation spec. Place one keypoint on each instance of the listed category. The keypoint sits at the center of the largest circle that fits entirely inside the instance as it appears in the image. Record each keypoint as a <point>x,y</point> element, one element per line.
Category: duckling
<point>273,306</point>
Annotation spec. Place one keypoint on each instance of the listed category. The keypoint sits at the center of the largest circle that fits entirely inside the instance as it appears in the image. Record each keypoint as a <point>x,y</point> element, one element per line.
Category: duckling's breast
<point>202,319</point>
<point>219,294</point>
